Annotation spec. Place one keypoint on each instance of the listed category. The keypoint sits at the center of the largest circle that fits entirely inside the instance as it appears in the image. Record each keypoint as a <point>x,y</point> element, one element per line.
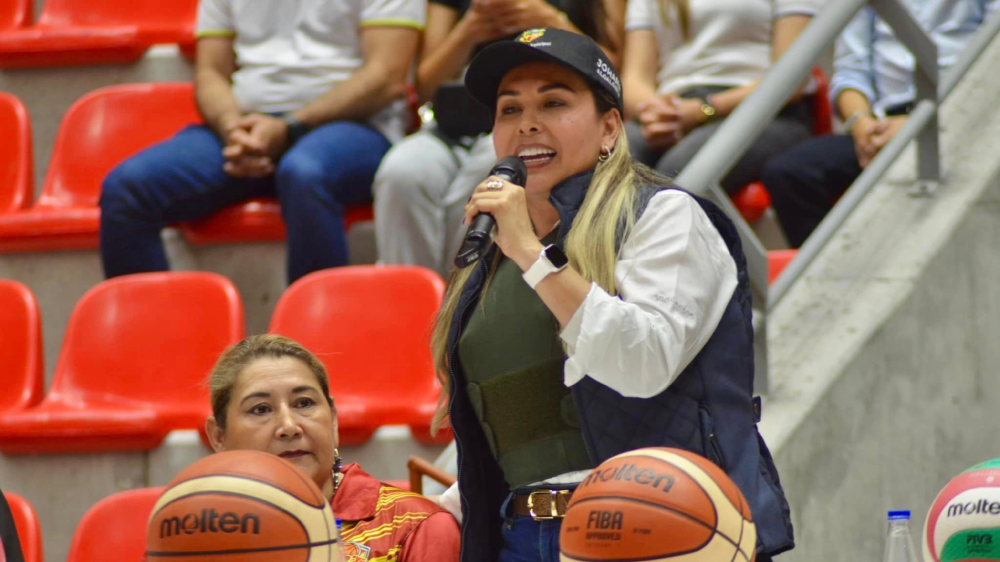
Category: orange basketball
<point>657,504</point>
<point>248,506</point>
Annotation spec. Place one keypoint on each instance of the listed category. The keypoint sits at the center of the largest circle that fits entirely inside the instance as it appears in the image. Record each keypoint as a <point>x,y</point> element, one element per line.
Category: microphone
<point>480,234</point>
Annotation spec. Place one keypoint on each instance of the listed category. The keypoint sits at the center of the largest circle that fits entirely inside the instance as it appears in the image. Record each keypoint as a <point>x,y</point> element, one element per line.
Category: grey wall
<point>914,408</point>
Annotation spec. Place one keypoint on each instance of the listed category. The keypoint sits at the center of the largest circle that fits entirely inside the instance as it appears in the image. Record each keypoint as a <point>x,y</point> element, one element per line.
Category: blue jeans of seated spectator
<point>181,179</point>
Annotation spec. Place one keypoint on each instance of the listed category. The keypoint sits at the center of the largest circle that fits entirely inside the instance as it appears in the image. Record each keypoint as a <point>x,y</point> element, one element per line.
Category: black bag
<point>458,114</point>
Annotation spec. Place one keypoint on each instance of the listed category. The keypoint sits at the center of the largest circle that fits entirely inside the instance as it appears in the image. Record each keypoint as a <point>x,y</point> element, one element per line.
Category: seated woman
<point>613,313</point>
<point>689,63</point>
<point>270,394</point>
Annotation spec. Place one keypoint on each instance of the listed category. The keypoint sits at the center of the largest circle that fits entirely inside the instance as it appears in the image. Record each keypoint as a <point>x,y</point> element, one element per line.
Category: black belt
<point>899,109</point>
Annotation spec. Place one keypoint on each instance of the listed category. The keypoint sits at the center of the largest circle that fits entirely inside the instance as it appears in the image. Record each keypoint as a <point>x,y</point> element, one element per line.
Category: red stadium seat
<point>776,262</point>
<point>753,200</point>
<point>371,326</point>
<point>116,524</point>
<point>20,348</point>
<point>99,131</point>
<point>16,164</point>
<point>822,110</point>
<point>29,532</point>
<point>15,14</point>
<point>132,367</point>
<point>79,32</point>
<point>254,220</point>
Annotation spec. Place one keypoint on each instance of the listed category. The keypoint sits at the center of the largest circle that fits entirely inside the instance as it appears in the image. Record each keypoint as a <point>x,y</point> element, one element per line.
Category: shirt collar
<point>357,496</point>
<point>567,197</point>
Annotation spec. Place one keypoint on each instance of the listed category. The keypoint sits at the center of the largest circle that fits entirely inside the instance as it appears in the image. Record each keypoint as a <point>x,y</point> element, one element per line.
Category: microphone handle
<point>479,236</point>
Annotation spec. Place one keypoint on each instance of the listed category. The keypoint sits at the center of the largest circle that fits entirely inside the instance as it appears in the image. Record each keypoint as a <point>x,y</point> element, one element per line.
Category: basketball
<point>657,504</point>
<point>964,520</point>
<point>242,505</point>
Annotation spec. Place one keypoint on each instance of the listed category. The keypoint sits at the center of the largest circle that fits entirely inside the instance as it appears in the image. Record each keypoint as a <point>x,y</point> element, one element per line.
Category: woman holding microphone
<point>612,313</point>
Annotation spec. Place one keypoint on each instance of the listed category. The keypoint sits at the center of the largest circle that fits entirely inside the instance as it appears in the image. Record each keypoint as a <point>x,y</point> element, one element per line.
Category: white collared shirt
<point>675,278</point>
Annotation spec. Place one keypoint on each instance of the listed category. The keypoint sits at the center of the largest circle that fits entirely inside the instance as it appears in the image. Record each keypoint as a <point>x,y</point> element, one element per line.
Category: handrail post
<point>926,77</point>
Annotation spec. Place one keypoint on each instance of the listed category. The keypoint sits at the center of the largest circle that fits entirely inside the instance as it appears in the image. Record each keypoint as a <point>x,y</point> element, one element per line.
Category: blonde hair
<point>605,218</point>
<point>679,9</point>
<point>238,357</point>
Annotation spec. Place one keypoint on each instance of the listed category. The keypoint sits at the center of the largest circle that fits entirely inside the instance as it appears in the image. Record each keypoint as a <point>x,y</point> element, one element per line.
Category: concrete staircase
<point>884,355</point>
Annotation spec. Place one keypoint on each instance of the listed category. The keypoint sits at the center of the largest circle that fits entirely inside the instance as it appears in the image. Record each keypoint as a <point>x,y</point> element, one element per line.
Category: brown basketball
<point>657,504</point>
<point>248,506</point>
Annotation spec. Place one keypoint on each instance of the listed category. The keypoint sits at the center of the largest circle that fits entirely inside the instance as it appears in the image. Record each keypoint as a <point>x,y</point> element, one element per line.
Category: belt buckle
<point>553,505</point>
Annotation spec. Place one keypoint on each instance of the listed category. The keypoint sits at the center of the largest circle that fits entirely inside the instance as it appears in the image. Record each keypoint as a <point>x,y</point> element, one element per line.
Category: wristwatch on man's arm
<point>550,260</point>
<point>296,129</point>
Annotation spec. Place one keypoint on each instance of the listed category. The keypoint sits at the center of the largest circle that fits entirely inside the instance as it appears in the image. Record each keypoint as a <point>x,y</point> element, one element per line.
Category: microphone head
<point>512,169</point>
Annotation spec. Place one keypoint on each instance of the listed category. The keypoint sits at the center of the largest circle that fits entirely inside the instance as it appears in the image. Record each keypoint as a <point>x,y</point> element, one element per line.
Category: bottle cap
<point>899,514</point>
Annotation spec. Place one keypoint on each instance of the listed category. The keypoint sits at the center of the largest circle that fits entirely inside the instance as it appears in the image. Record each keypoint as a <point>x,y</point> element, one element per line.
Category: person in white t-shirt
<point>300,101</point>
<point>689,63</point>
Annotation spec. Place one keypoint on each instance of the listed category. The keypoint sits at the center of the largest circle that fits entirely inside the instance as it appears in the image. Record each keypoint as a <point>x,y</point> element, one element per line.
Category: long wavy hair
<point>606,216</point>
<point>679,11</point>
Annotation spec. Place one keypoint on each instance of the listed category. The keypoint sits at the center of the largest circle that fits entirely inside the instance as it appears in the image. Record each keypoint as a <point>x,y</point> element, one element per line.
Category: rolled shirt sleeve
<point>784,8</point>
<point>214,18</point>
<point>394,13</point>
<point>675,277</point>
<point>852,60</point>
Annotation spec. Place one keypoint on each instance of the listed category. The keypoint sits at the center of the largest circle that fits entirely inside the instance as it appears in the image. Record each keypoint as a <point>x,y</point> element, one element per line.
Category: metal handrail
<point>922,113</point>
<point>736,134</point>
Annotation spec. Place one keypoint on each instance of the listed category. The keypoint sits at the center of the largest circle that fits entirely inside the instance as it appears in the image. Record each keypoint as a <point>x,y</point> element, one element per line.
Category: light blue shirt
<point>870,59</point>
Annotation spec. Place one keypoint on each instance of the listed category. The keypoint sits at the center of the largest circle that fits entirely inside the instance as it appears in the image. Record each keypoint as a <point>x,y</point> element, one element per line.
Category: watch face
<point>556,256</point>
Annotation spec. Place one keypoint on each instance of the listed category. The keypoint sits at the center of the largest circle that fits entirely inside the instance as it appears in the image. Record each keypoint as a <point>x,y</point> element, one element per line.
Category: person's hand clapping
<point>515,236</point>
<point>659,119</point>
<point>479,26</point>
<point>513,16</point>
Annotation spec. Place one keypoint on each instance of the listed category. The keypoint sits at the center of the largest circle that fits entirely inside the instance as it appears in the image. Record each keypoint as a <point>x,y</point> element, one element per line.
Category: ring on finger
<point>494,185</point>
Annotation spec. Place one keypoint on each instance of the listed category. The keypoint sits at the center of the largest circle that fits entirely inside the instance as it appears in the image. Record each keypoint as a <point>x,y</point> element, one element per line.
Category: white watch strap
<point>539,270</point>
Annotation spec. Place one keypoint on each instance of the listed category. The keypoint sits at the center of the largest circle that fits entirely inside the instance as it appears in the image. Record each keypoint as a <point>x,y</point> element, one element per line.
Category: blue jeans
<point>181,179</point>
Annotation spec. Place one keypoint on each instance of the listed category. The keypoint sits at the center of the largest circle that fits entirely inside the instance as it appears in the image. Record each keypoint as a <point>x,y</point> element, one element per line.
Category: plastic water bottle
<point>899,541</point>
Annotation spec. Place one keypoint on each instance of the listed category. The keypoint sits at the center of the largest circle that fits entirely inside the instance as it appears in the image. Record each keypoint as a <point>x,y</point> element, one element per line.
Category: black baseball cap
<point>572,50</point>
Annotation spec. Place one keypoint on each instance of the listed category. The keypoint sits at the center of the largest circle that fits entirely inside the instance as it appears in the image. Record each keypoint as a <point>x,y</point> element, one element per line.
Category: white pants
<point>420,191</point>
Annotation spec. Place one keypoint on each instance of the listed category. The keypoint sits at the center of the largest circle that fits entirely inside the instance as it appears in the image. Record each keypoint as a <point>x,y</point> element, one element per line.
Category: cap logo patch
<point>531,35</point>
<point>609,75</point>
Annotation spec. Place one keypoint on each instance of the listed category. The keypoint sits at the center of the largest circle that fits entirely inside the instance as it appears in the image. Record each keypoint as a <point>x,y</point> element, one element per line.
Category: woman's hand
<point>515,234</point>
<point>691,116</point>
<point>660,123</point>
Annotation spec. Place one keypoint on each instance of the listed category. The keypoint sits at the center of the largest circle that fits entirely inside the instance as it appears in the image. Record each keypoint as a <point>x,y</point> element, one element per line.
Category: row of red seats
<point>137,350</point>
<point>115,524</point>
<point>79,32</point>
<point>98,132</point>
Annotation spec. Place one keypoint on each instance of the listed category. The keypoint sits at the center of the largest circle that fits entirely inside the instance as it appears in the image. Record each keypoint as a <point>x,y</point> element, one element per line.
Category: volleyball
<point>657,504</point>
<point>249,506</point>
<point>964,520</point>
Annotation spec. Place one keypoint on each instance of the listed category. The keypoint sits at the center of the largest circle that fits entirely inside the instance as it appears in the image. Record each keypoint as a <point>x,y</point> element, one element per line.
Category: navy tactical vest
<point>709,409</point>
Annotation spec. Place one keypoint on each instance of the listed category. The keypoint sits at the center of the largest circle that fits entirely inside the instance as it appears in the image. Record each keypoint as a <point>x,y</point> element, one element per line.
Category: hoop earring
<point>605,155</point>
